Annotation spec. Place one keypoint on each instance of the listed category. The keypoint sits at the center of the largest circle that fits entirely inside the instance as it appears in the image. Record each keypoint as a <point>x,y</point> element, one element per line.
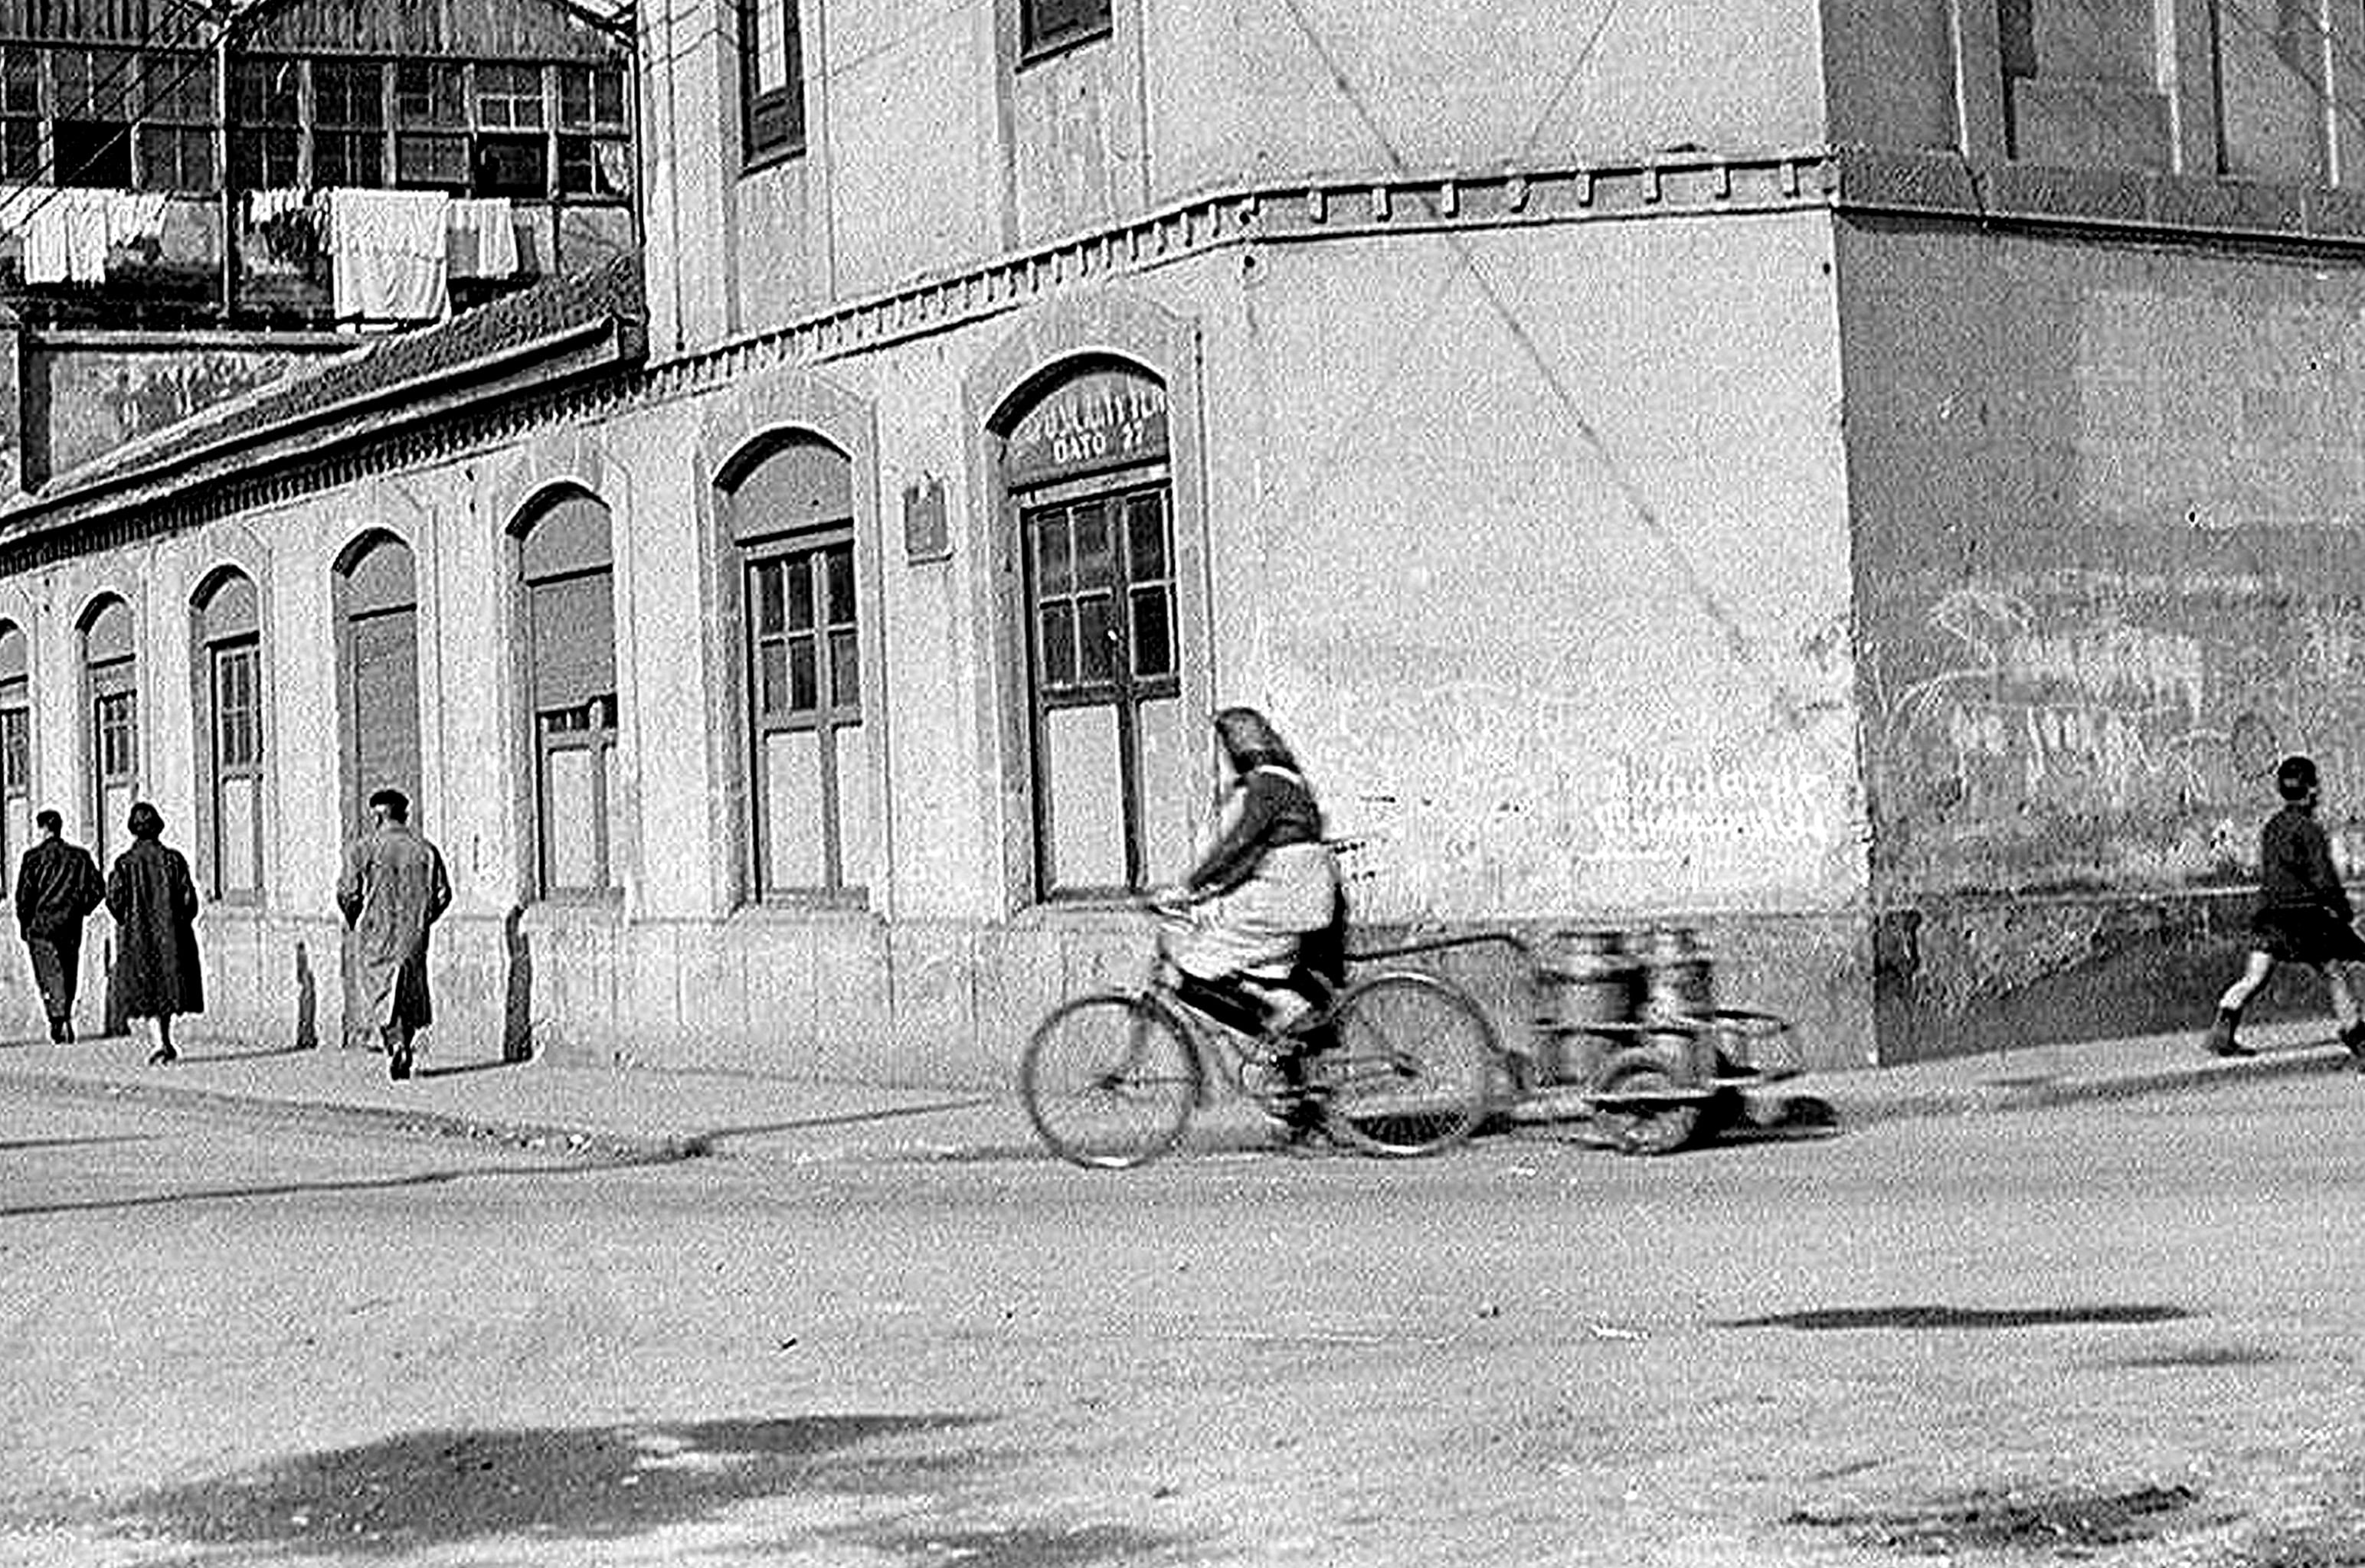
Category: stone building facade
<point>1867,481</point>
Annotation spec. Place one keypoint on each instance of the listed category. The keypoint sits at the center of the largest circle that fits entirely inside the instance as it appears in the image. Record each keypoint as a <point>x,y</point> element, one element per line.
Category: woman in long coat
<point>155,907</point>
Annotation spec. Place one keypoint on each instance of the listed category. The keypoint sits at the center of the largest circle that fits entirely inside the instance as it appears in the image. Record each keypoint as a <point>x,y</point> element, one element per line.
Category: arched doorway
<point>567,665</point>
<point>789,509</point>
<point>377,649</point>
<point>229,688</point>
<point>111,690</point>
<point>1085,465</point>
<point>15,744</point>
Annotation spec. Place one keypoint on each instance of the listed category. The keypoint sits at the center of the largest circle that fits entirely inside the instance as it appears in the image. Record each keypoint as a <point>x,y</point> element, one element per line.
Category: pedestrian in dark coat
<point>155,909</point>
<point>2304,915</point>
<point>57,886</point>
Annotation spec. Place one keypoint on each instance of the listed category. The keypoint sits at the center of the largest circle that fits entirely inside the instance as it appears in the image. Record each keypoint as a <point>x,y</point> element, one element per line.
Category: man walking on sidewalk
<point>393,890</point>
<point>58,887</point>
<point>2304,915</point>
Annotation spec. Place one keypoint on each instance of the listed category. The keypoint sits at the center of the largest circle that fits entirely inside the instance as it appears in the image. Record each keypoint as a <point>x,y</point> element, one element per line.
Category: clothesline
<point>392,254</point>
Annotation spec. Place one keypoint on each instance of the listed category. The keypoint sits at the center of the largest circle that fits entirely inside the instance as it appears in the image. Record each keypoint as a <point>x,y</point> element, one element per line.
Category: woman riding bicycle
<point>1264,900</point>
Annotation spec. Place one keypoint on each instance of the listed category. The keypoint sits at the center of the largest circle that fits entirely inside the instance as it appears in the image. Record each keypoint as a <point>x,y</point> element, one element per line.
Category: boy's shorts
<point>2311,936</point>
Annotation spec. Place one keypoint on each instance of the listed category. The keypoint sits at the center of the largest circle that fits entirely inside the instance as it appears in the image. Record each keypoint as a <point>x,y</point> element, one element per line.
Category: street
<point>2118,1333</point>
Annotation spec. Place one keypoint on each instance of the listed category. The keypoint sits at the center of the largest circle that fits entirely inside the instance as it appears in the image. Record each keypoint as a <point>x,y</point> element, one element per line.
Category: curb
<point>2042,1093</point>
<point>607,1149</point>
<point>621,1149</point>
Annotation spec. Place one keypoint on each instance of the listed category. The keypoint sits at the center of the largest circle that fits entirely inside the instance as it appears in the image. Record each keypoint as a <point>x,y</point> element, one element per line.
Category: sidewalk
<point>641,1113</point>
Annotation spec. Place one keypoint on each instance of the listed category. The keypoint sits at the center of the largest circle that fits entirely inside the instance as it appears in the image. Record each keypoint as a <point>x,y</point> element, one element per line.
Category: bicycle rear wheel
<point>1108,1080</point>
<point>1410,1070</point>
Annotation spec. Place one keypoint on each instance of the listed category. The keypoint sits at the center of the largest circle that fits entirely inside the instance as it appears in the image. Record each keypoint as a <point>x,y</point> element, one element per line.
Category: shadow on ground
<point>1929,1317</point>
<point>443,1489</point>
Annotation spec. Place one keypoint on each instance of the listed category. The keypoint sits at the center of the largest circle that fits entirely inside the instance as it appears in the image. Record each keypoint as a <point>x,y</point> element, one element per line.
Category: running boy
<point>2303,917</point>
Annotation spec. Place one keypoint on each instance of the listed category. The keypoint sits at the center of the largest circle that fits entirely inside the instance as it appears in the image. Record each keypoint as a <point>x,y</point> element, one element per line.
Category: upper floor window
<point>348,123</point>
<point>91,121</point>
<point>176,123</point>
<point>20,112</point>
<point>594,135</point>
<point>266,124</point>
<point>2082,83</point>
<point>771,78</point>
<point>2287,82</point>
<point>1048,24</point>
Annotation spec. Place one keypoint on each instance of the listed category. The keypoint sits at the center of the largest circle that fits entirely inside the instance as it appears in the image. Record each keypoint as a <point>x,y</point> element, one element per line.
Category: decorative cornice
<point>1666,185</point>
<point>2136,203</point>
<point>1674,184</point>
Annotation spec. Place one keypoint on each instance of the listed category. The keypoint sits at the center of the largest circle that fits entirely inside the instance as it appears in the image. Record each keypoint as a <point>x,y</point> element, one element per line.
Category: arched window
<point>229,734</point>
<point>791,512</point>
<point>565,577</point>
<point>110,679</point>
<point>15,744</point>
<point>377,645</point>
<point>1085,465</point>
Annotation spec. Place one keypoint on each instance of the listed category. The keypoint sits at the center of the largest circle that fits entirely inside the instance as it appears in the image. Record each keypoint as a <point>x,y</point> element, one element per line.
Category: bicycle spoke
<point>1108,1082</point>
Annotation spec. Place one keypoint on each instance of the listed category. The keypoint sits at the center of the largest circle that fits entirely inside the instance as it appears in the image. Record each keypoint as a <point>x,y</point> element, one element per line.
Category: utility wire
<point>199,60</point>
<point>201,57</point>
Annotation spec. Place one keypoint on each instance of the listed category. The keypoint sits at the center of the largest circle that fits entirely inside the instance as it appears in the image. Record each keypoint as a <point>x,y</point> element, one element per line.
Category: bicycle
<point>1110,1078</point>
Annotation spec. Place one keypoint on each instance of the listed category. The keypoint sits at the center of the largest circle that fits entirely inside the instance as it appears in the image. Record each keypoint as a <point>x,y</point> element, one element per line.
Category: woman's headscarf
<point>1249,739</point>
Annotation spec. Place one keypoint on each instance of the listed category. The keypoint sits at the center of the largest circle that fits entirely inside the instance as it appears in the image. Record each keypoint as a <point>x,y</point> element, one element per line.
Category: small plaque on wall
<point>924,536</point>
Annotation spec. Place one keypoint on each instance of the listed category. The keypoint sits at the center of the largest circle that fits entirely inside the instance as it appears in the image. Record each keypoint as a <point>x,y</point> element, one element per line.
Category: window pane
<point>572,817</point>
<point>1085,782</point>
<point>1095,549</point>
<point>1048,22</point>
<point>178,88</point>
<point>801,594</point>
<point>845,676</point>
<point>1059,645</point>
<point>852,778</point>
<point>20,149</point>
<point>804,694</point>
<point>440,161</point>
<point>428,93</point>
<point>1146,536</point>
<point>348,96</point>
<point>840,566</point>
<point>1051,570</point>
<point>793,809</point>
<point>514,167</point>
<point>20,81</point>
<point>1153,640</point>
<point>1095,639</point>
<point>15,749</point>
<point>95,154</point>
<point>772,680</point>
<point>593,168</point>
<point>356,159</point>
<point>235,853</point>
<point>768,597</point>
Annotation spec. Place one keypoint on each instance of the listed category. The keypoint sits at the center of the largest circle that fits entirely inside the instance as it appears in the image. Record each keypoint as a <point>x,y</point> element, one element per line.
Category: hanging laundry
<point>484,239</point>
<point>283,230</point>
<point>42,225</point>
<point>134,218</point>
<point>389,254</point>
<point>85,211</point>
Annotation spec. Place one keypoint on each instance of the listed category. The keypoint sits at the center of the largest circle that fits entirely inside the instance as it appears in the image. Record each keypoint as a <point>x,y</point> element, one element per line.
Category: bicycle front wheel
<point>1108,1081</point>
<point>1409,1072</point>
